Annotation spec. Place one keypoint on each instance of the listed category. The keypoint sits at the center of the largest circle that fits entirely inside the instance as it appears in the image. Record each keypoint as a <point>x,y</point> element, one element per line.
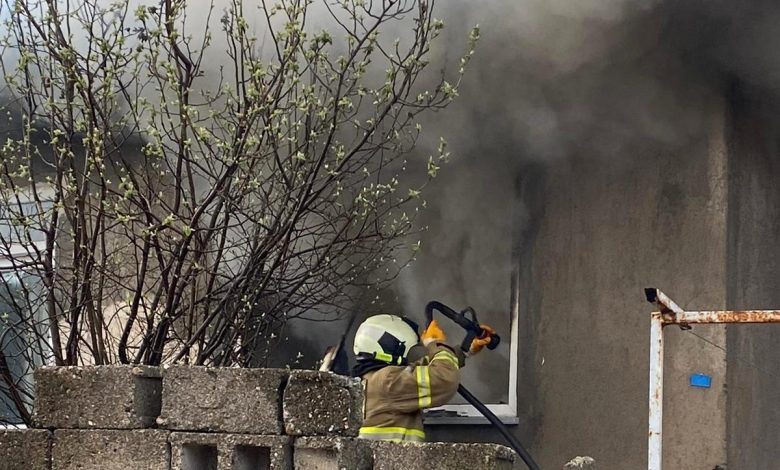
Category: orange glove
<point>433,334</point>
<point>479,343</point>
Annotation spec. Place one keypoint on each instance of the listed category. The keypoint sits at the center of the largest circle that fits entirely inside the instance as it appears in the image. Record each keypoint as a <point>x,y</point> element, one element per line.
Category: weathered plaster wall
<point>699,221</point>
<point>610,228</point>
<point>754,278</point>
<point>599,231</point>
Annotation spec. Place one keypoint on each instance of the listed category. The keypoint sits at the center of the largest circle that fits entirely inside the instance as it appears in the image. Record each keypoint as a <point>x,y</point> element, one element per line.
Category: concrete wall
<point>754,278</point>
<point>214,418</point>
<point>699,220</point>
<point>600,231</point>
<point>701,223</point>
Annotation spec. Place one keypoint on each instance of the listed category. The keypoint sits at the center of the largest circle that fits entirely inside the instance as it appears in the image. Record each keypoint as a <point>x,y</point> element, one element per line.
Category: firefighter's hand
<point>479,343</point>
<point>433,334</point>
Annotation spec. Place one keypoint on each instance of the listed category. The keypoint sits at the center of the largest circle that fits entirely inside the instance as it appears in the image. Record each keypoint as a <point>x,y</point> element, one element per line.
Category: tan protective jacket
<point>395,396</point>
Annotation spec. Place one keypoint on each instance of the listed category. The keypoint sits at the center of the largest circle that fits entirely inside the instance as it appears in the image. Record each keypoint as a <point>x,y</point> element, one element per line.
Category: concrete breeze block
<point>110,450</point>
<point>25,449</point>
<point>105,397</point>
<point>321,403</point>
<point>210,451</point>
<point>332,453</point>
<point>231,400</point>
<point>441,456</point>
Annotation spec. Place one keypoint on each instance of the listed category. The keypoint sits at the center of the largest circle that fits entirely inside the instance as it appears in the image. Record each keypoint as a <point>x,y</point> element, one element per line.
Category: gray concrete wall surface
<point>222,399</point>
<point>332,453</point>
<point>702,224</point>
<point>321,403</point>
<point>441,456</point>
<point>754,281</point>
<point>25,449</point>
<point>316,410</point>
<point>600,231</point>
<point>115,397</point>
<point>102,449</point>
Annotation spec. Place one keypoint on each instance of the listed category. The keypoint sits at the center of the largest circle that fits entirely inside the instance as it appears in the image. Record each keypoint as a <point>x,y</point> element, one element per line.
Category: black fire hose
<point>473,330</point>
<point>471,325</point>
<point>496,421</point>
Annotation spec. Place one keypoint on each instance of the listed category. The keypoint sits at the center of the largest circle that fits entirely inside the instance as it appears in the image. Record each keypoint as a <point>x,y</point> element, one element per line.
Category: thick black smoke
<point>551,80</point>
<point>562,79</point>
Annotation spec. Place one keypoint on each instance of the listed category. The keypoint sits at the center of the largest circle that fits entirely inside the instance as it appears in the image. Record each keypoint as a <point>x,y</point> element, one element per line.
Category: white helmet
<point>385,338</point>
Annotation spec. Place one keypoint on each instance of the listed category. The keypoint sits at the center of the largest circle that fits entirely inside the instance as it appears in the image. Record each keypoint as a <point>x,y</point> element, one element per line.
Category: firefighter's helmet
<point>385,338</point>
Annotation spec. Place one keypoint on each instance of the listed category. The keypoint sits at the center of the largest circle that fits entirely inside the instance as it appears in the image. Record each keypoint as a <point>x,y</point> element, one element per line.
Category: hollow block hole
<point>198,457</point>
<point>316,459</point>
<point>147,399</point>
<point>251,458</point>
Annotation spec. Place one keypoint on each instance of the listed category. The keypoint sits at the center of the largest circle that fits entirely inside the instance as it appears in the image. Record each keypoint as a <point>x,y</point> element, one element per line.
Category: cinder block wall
<point>198,418</point>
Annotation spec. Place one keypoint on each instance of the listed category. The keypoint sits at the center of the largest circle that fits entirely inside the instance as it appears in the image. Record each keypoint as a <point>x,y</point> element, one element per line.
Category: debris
<point>581,462</point>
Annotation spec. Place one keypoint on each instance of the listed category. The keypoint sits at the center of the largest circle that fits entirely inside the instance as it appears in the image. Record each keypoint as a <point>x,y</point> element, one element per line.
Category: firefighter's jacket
<point>394,396</point>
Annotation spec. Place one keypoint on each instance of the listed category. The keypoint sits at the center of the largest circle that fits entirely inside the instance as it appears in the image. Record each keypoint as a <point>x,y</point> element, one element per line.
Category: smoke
<point>555,80</point>
<point>560,79</point>
<point>552,80</point>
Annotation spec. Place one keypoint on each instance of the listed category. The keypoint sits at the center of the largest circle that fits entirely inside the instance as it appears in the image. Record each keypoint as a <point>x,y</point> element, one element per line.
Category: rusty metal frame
<point>669,313</point>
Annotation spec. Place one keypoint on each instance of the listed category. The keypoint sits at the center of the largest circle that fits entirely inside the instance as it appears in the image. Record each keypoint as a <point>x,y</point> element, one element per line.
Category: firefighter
<point>401,377</point>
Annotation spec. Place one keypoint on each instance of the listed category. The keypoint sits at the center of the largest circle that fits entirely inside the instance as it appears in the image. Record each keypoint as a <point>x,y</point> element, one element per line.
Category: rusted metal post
<point>669,313</point>
<point>656,404</point>
<point>724,316</point>
<point>667,308</point>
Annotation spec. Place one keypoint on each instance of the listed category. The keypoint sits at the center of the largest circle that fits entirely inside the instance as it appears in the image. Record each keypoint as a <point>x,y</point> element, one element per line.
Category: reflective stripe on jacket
<point>395,396</point>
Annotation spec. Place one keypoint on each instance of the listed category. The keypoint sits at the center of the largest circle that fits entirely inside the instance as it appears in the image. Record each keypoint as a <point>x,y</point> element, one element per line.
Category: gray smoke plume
<point>557,79</point>
<point>560,79</point>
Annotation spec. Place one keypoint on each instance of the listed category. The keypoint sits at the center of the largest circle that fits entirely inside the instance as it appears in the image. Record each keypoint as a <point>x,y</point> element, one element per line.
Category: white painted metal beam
<point>672,314</point>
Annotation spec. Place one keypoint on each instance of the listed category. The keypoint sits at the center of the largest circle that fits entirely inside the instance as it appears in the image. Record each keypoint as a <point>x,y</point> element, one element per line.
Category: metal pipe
<point>722,316</point>
<point>665,304</point>
<point>656,402</point>
<point>672,314</point>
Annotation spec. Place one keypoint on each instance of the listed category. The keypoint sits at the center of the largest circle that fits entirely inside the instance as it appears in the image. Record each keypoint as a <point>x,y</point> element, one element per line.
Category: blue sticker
<point>701,381</point>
